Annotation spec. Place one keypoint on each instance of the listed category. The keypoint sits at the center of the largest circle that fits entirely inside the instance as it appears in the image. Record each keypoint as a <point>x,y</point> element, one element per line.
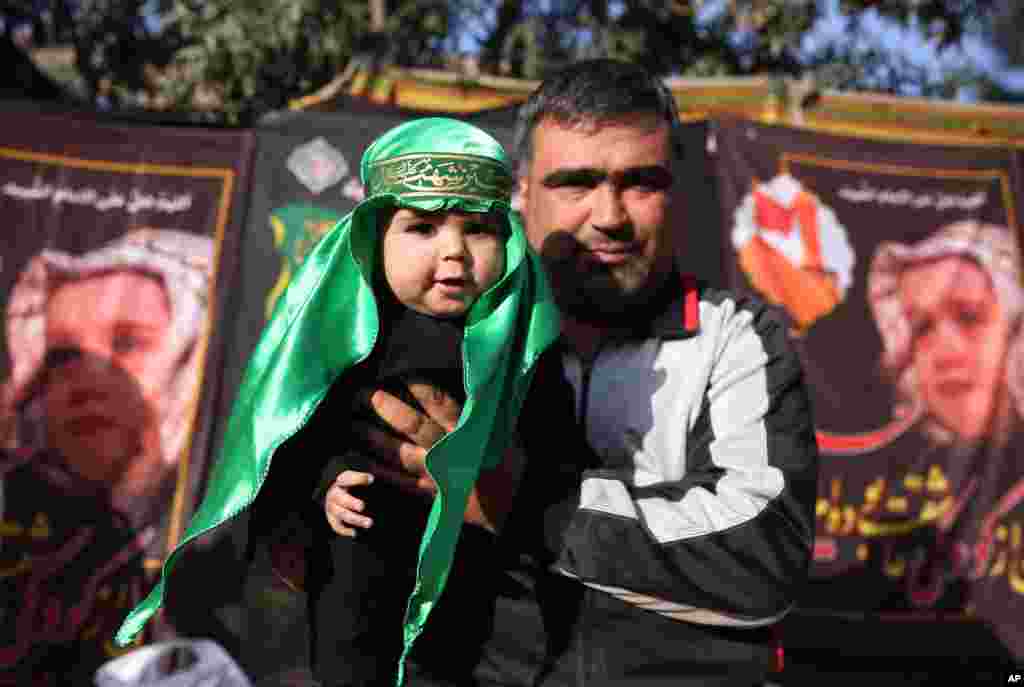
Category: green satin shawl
<point>327,321</point>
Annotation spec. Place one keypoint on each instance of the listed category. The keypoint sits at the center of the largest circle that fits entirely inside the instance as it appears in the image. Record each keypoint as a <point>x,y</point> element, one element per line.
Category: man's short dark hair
<point>595,91</point>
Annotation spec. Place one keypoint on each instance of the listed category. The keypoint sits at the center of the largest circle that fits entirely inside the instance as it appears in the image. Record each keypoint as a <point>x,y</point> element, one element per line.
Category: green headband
<point>438,159</point>
<point>472,177</point>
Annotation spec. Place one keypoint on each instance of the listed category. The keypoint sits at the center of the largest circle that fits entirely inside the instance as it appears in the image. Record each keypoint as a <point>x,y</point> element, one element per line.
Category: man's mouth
<point>610,254</point>
<point>954,387</point>
<point>84,425</point>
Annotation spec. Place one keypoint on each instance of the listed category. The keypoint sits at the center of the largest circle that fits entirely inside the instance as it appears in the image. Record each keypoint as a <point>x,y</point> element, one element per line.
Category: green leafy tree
<point>945,21</point>
<point>235,59</point>
<point>114,40</point>
<point>231,59</point>
<point>667,36</point>
<point>245,58</point>
<point>944,62</point>
<point>1006,29</point>
<point>704,38</point>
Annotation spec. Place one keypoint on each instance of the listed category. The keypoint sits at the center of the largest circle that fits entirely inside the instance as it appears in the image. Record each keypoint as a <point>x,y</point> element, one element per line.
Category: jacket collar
<point>680,319</point>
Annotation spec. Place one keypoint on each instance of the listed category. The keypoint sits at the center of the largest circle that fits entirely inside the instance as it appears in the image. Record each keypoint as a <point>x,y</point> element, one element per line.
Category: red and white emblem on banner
<point>793,249</point>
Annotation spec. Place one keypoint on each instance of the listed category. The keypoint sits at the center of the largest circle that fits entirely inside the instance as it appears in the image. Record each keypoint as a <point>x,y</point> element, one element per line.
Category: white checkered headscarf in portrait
<point>994,250</point>
<point>181,261</point>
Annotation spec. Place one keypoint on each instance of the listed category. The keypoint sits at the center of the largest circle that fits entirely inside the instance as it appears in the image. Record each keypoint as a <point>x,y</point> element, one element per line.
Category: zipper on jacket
<point>586,368</point>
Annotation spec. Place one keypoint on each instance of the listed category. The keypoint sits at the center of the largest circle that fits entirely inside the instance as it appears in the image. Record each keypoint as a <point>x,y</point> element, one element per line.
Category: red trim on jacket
<point>691,303</point>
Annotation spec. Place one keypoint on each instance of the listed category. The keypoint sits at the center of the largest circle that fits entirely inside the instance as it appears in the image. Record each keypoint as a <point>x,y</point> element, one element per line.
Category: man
<point>672,559</point>
<point>953,353</point>
<point>949,311</point>
<point>104,350</point>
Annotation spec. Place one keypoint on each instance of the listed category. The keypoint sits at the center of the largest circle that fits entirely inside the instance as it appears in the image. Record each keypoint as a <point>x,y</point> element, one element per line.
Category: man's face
<point>960,336</point>
<point>597,202</point>
<point>109,364</point>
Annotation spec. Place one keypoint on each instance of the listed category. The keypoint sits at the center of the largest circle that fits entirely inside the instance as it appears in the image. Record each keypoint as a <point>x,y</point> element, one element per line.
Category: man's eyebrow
<point>581,176</point>
<point>654,175</point>
<point>130,324</point>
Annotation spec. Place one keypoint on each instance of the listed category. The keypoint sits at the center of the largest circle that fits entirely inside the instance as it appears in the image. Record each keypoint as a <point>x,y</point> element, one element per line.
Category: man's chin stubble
<point>604,306</point>
<point>610,304</point>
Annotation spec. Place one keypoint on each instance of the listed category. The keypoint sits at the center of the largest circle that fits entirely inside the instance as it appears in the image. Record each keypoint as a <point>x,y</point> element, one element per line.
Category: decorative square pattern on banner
<point>317,165</point>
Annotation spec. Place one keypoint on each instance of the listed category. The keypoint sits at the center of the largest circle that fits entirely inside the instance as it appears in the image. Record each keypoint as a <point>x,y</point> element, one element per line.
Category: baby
<point>428,279</point>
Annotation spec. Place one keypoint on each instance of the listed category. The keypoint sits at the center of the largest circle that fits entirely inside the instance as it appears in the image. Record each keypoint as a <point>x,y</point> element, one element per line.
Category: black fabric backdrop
<point>874,595</point>
<point>918,545</point>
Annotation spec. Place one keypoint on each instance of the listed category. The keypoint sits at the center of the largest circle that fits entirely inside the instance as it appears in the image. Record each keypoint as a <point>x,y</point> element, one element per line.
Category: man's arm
<point>730,542</point>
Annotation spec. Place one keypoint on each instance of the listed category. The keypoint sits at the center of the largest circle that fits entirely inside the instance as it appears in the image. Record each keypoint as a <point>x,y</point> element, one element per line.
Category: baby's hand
<point>342,509</point>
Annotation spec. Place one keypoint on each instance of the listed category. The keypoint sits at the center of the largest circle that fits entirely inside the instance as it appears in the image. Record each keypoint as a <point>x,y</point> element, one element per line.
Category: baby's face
<point>439,263</point>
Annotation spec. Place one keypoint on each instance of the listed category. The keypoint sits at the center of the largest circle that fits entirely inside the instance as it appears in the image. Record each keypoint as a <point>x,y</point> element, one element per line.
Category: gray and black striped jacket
<point>701,506</point>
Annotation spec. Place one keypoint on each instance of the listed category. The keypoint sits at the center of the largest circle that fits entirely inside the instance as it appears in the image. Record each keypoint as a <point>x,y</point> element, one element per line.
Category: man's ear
<point>523,185</point>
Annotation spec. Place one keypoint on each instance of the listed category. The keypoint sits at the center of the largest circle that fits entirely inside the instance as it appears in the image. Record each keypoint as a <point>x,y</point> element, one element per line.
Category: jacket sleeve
<point>730,542</point>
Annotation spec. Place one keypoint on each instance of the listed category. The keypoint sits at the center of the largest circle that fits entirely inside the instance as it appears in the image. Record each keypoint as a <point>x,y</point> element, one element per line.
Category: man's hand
<point>343,510</point>
<point>401,457</point>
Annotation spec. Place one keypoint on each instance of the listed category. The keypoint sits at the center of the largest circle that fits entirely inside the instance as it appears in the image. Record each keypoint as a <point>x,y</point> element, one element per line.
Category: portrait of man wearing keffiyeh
<point>104,350</point>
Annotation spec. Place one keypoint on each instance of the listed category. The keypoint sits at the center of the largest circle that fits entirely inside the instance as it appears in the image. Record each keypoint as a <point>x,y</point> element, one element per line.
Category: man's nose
<point>59,357</point>
<point>954,340</point>
<point>83,374</point>
<point>608,212</point>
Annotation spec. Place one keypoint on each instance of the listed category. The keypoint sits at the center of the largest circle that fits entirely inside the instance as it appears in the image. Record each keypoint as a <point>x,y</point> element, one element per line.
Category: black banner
<point>899,266</point>
<point>112,282</point>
